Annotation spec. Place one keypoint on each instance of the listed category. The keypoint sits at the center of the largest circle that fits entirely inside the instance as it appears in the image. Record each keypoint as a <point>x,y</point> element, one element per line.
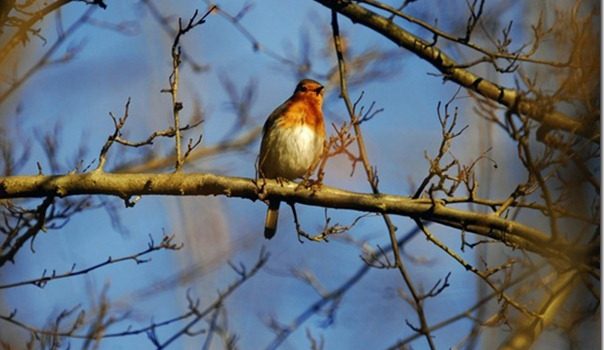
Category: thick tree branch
<point>125,186</point>
<point>429,52</point>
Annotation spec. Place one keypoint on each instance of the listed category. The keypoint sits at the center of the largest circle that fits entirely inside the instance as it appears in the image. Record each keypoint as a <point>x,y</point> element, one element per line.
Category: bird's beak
<point>320,90</point>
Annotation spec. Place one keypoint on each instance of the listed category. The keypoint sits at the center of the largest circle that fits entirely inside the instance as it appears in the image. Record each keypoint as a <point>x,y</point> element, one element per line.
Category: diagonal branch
<point>21,34</point>
<point>45,60</point>
<point>9,249</point>
<point>509,98</point>
<point>467,314</point>
<point>25,27</point>
<point>336,295</point>
<point>525,336</point>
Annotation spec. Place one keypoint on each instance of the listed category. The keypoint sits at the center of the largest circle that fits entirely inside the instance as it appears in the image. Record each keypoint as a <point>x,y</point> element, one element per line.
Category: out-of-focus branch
<point>525,335</point>
<point>429,52</point>
<point>403,344</point>
<point>45,59</point>
<point>335,296</point>
<point>243,275</point>
<point>12,243</point>
<point>21,225</point>
<point>21,34</point>
<point>23,28</point>
<point>125,186</point>
<point>68,322</point>
<point>165,25</point>
<point>235,20</point>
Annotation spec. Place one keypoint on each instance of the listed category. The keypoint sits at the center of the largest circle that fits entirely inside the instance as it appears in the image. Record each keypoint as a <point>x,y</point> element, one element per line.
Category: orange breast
<point>304,110</point>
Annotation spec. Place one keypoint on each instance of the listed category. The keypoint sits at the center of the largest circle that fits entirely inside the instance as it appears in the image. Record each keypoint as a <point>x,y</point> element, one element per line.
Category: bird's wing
<point>267,129</point>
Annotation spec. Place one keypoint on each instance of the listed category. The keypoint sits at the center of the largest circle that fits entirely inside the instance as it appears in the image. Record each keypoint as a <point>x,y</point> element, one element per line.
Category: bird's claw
<point>310,184</point>
<point>260,188</point>
<point>281,181</point>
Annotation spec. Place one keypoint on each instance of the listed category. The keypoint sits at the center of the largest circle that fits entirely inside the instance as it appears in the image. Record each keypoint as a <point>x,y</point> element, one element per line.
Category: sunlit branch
<point>126,186</point>
<point>510,98</point>
<point>25,27</point>
<point>517,56</point>
<point>174,79</point>
<point>526,334</point>
<point>21,35</point>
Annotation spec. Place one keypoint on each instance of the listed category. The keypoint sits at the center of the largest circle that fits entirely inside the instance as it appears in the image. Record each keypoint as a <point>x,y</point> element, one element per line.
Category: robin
<point>292,141</point>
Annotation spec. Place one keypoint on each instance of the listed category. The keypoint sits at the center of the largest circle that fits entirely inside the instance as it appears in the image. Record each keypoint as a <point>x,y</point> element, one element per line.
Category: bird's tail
<point>272,215</point>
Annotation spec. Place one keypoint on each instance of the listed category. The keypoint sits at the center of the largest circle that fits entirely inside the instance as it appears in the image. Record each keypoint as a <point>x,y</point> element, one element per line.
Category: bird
<point>293,140</point>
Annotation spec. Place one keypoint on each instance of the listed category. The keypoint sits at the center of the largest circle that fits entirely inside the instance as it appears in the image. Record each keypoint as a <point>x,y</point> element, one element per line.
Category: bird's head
<point>310,89</point>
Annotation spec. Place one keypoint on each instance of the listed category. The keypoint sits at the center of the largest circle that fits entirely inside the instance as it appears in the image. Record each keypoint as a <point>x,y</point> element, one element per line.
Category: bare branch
<point>174,78</point>
<point>41,282</point>
<point>512,233</point>
<point>510,98</point>
<point>373,180</point>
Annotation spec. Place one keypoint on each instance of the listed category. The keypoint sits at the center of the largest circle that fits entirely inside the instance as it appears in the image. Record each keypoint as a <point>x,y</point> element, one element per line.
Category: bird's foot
<point>260,188</point>
<point>281,181</point>
<point>310,184</point>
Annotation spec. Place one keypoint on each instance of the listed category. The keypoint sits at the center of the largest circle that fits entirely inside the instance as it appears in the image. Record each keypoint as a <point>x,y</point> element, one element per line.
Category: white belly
<point>291,152</point>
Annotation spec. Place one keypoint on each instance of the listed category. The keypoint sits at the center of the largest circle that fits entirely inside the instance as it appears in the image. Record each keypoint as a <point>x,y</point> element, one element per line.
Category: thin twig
<point>41,282</point>
<point>174,78</point>
<point>372,179</point>
<point>336,295</point>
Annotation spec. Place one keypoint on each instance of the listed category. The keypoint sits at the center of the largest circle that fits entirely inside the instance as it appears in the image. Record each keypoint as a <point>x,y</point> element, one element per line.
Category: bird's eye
<point>303,88</point>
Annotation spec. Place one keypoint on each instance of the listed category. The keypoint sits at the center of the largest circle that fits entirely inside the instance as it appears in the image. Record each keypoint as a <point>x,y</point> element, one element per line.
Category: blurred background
<point>237,67</point>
